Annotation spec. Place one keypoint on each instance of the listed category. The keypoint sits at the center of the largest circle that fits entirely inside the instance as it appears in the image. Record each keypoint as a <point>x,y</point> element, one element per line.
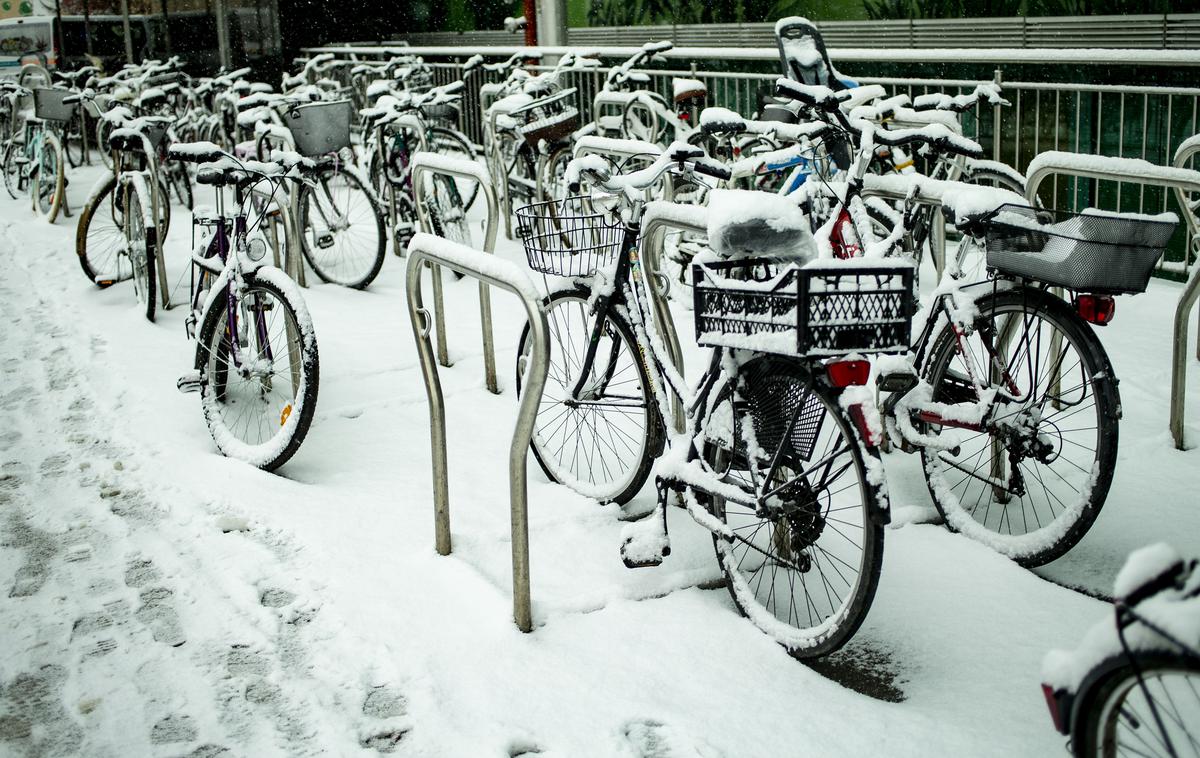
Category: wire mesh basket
<point>321,128</point>
<point>48,104</point>
<point>830,309</point>
<point>551,118</point>
<point>568,237</point>
<point>1092,251</point>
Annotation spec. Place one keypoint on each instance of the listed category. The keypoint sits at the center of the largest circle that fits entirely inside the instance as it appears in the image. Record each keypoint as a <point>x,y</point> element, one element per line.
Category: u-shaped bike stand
<point>1134,171</point>
<point>432,163</point>
<point>426,248</point>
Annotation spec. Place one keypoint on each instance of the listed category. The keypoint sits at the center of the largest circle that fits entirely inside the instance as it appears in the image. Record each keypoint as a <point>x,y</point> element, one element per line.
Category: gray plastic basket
<point>321,128</point>
<point>1092,251</point>
<point>48,104</point>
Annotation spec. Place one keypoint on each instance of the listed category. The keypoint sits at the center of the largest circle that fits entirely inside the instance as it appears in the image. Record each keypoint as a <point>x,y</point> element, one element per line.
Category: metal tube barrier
<point>432,163</point>
<point>657,219</point>
<point>1135,171</point>
<point>506,275</point>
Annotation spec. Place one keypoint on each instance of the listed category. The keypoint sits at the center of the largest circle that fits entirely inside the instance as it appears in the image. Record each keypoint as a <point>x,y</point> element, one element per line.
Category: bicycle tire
<point>142,250</point>
<point>103,128</point>
<point>1109,707</point>
<point>450,142</point>
<point>100,236</point>
<point>73,141</point>
<point>362,210</point>
<point>564,310</point>
<point>49,183</point>
<point>12,169</point>
<point>213,346</point>
<point>801,539</point>
<point>1049,540</point>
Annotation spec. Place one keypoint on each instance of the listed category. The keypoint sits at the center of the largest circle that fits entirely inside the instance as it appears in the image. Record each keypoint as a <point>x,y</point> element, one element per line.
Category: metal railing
<point>426,248</point>
<point>1134,31</point>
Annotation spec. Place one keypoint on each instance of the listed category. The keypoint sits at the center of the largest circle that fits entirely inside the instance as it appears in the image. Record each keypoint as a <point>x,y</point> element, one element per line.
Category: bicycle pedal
<point>189,382</point>
<point>645,543</point>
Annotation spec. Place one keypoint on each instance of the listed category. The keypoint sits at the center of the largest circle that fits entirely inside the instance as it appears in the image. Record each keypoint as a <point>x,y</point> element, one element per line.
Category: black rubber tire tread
<point>655,429</point>
<point>86,217</point>
<point>215,316</point>
<point>874,532</point>
<point>151,255</point>
<point>439,139</point>
<point>1108,402</point>
<point>365,280</point>
<point>1086,729</point>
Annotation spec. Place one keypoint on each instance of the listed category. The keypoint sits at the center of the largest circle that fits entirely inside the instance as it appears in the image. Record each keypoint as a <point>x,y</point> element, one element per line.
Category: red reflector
<point>1096,309</point>
<point>1056,710</point>
<point>859,417</point>
<point>843,238</point>
<point>848,373</point>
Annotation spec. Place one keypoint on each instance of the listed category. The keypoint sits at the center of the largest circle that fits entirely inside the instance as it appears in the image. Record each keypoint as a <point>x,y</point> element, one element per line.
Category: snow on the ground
<point>158,599</point>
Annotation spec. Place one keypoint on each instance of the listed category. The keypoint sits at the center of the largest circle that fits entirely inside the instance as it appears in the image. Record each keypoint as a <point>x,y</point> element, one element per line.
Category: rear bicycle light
<point>852,373</point>
<point>1096,309</point>
<point>1059,704</point>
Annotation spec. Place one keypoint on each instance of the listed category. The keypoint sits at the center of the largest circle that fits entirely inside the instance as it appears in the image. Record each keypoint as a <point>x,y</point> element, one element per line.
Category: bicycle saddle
<point>758,224</point>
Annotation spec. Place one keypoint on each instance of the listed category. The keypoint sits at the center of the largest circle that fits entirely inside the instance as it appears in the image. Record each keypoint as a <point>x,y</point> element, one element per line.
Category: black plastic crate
<point>830,308</point>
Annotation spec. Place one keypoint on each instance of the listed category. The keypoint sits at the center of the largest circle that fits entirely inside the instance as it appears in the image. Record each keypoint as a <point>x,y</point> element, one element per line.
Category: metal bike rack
<point>658,217</point>
<point>1135,171</point>
<point>506,275</point>
<point>431,163</point>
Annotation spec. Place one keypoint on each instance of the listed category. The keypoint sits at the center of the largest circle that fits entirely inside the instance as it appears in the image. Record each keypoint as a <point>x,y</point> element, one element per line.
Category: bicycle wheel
<point>601,446</point>
<point>49,182</point>
<point>804,566</point>
<point>140,247</point>
<point>73,141</point>
<point>1122,717</point>
<point>447,216</point>
<point>1031,483</point>
<point>13,163</point>
<point>103,129</point>
<point>456,145</point>
<point>179,184</point>
<point>342,228</point>
<point>260,403</point>
<point>100,236</point>
<point>554,182</point>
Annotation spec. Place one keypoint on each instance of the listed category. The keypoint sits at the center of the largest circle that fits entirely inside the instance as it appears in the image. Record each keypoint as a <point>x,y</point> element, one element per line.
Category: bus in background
<point>192,35</point>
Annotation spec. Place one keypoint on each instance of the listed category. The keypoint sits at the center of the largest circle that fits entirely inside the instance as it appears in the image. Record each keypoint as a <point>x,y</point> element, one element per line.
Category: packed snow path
<point>158,599</point>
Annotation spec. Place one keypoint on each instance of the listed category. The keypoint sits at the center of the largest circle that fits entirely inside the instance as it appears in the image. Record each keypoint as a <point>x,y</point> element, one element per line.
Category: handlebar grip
<point>711,168</point>
<point>661,46</point>
<point>195,152</point>
<point>454,87</point>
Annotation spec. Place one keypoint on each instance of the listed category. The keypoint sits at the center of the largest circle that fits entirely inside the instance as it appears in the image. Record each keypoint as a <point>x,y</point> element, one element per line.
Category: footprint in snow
<point>646,738</point>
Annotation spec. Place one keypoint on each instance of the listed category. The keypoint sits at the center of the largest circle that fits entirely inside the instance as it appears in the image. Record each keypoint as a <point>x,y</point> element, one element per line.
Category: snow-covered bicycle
<point>776,458</point>
<point>256,365</point>
<point>1132,687</point>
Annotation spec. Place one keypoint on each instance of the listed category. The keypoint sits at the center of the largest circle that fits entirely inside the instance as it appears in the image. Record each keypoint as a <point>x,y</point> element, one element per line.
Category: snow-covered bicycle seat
<point>746,223</point>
